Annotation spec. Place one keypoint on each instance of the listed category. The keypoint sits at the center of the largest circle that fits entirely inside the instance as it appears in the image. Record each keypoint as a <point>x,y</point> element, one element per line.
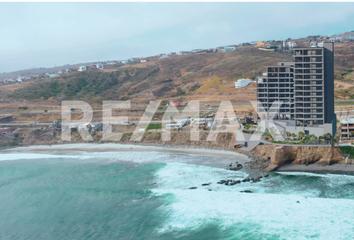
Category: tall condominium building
<point>306,89</point>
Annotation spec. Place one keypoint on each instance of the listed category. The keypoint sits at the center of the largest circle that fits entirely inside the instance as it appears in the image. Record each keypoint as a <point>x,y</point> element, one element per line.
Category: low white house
<point>53,75</point>
<point>242,83</point>
<point>82,68</point>
<point>99,66</point>
<point>84,127</point>
<point>229,49</point>
<point>8,80</point>
<point>289,45</point>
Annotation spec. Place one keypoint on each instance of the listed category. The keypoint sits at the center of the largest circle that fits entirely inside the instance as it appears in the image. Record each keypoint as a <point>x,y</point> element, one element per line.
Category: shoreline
<point>243,158</point>
<point>216,154</point>
<point>316,168</point>
<point>104,147</point>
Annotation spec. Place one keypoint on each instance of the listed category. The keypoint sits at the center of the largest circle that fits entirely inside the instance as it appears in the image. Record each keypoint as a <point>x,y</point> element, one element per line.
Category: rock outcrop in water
<point>231,182</point>
<point>238,167</point>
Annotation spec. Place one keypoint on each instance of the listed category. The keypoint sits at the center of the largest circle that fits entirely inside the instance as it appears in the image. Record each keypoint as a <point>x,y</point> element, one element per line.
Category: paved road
<point>348,100</point>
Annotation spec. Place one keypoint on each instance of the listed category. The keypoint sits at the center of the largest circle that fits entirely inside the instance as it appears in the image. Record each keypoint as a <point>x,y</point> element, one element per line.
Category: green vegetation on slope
<point>86,85</point>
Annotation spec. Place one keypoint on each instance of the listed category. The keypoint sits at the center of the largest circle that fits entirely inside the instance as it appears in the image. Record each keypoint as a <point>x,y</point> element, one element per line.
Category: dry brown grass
<point>205,76</point>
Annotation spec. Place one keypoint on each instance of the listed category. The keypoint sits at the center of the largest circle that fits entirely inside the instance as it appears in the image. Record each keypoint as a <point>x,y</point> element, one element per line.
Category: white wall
<point>242,83</point>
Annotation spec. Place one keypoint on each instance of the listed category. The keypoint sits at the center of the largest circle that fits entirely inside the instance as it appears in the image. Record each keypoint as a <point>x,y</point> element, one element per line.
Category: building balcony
<point>307,95</point>
<point>311,112</point>
<point>305,107</point>
<point>307,101</point>
<point>308,66</point>
<point>308,85</point>
<point>306,74</point>
<point>308,118</point>
<point>308,52</point>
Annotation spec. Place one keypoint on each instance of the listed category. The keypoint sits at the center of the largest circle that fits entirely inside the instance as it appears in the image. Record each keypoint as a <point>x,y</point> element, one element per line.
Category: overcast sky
<point>49,34</point>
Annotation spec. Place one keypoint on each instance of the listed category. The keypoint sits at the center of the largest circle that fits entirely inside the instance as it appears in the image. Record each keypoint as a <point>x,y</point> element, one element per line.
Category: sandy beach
<point>214,157</point>
<point>218,158</point>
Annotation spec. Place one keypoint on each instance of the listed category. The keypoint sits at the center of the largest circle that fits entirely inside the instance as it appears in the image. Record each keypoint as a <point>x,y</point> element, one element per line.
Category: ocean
<point>146,195</point>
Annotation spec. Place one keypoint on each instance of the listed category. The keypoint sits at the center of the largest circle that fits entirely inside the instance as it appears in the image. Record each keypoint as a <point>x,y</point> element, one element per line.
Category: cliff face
<point>39,136</point>
<point>279,155</point>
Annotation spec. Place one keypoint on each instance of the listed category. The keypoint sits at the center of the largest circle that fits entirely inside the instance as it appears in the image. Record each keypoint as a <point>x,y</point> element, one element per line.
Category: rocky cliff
<point>272,156</point>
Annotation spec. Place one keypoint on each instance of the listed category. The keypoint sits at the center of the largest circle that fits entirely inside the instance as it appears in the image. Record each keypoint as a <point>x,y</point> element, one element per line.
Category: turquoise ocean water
<point>123,196</point>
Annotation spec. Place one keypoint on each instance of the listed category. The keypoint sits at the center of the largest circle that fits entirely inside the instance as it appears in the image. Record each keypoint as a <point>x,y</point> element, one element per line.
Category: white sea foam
<point>321,218</point>
<point>126,157</point>
<point>331,179</point>
<point>301,174</point>
<point>31,156</point>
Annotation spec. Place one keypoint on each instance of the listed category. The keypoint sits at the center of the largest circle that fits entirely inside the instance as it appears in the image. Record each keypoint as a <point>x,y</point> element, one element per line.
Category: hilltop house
<point>260,44</point>
<point>99,66</point>
<point>198,50</point>
<point>289,45</point>
<point>184,52</point>
<point>8,80</point>
<point>82,68</point>
<point>231,48</point>
<point>53,75</point>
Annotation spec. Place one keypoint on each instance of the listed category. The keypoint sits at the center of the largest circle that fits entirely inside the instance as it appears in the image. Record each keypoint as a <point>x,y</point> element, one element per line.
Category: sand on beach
<point>218,158</point>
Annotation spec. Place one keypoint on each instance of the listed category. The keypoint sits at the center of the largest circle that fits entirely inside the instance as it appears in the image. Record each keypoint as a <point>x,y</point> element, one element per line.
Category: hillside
<point>202,76</point>
<point>197,76</point>
<point>39,71</point>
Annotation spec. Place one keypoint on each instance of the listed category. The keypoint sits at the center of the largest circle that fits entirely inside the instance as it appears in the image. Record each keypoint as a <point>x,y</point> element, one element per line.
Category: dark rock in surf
<point>246,191</point>
<point>238,167</point>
